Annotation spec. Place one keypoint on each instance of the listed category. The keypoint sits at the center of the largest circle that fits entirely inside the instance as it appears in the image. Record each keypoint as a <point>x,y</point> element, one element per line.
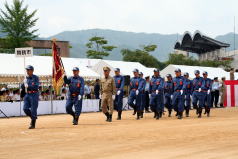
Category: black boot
<point>208,112</point>
<point>76,119</point>
<point>142,114</point>
<point>110,118</point>
<point>107,115</point>
<point>187,112</point>
<point>33,124</point>
<point>205,110</point>
<point>160,114</point>
<point>119,115</point>
<point>199,112</point>
<point>157,115</point>
<point>170,111</point>
<point>138,116</point>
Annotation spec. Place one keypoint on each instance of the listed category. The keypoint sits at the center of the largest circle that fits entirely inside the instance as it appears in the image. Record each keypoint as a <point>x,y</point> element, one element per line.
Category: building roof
<point>199,43</point>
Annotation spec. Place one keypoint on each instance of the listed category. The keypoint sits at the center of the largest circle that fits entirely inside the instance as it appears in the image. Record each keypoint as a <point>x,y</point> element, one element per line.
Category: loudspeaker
<point>127,80</point>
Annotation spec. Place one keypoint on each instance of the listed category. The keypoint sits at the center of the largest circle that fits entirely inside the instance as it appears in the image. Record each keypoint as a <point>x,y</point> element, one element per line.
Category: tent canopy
<point>14,66</point>
<point>212,71</point>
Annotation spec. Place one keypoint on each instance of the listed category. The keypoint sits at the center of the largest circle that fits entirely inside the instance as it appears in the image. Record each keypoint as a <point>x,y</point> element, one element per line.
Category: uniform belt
<point>204,90</point>
<point>178,90</point>
<point>155,91</point>
<point>30,92</point>
<point>74,94</point>
<point>134,89</point>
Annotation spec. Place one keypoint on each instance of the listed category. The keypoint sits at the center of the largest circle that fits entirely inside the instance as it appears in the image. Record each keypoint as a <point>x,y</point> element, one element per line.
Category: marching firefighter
<point>206,90</point>
<point>187,93</point>
<point>168,94</point>
<point>198,96</point>
<point>157,95</point>
<point>75,94</point>
<point>31,98</point>
<point>118,102</point>
<point>178,95</point>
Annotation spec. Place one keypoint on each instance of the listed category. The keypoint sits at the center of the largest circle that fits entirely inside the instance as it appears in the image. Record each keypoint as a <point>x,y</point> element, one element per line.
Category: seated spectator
<point>16,95</point>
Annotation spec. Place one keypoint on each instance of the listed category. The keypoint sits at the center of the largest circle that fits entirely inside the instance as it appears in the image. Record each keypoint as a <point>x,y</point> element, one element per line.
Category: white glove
<point>118,92</point>
<point>157,92</point>
<point>25,83</point>
<point>181,91</point>
<point>79,97</point>
<point>100,96</point>
<point>137,92</point>
<point>113,97</point>
<point>199,90</point>
<point>208,92</point>
<point>149,95</point>
<point>171,96</point>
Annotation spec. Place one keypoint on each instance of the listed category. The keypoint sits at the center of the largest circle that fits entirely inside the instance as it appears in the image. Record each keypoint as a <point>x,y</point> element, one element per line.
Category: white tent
<point>13,66</point>
<point>212,71</point>
<point>125,67</point>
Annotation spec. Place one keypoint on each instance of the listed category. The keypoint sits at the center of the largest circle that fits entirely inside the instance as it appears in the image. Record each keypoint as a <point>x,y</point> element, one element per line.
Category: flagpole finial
<point>54,39</point>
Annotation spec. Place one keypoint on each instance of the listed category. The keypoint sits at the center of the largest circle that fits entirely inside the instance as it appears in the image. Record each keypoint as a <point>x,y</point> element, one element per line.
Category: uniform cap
<point>106,69</point>
<point>186,74</point>
<point>196,72</point>
<point>168,75</point>
<point>75,69</point>
<point>141,73</point>
<point>117,69</point>
<point>177,70</point>
<point>29,67</point>
<point>135,70</point>
<point>156,70</point>
<point>205,72</point>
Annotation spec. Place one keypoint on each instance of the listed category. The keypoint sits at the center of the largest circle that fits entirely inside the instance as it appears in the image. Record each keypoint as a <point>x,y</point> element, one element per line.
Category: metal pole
<point>51,96</point>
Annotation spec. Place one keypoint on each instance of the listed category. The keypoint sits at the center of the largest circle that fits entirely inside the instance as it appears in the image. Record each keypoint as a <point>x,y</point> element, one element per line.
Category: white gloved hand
<point>137,92</point>
<point>149,95</point>
<point>171,96</point>
<point>118,92</point>
<point>79,97</point>
<point>199,90</point>
<point>181,91</point>
<point>25,83</point>
<point>157,92</point>
<point>113,97</point>
<point>208,92</point>
<point>100,96</point>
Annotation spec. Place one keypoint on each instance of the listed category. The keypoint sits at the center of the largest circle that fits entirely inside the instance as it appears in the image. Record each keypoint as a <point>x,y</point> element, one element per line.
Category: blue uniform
<point>135,84</point>
<point>31,98</point>
<point>142,99</point>
<point>197,96</point>
<point>76,88</point>
<point>168,92</point>
<point>119,82</point>
<point>157,100</point>
<point>178,98</point>
<point>206,85</point>
<point>188,92</point>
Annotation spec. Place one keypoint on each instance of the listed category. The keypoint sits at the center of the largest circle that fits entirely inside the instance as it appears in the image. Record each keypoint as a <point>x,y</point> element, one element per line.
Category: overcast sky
<point>212,17</point>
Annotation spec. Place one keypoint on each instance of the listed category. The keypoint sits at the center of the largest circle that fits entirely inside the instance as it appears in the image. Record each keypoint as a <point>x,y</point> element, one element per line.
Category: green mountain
<point>121,39</point>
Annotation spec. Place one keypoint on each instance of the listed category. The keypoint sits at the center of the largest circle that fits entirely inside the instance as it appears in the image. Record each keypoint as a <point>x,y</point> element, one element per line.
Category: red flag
<point>58,70</point>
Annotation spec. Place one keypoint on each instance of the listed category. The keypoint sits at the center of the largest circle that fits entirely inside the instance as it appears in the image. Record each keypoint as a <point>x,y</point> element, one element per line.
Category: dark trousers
<point>147,101</point>
<point>215,97</point>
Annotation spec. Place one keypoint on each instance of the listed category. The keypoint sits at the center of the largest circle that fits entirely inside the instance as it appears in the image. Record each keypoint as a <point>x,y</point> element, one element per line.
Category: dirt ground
<point>168,138</point>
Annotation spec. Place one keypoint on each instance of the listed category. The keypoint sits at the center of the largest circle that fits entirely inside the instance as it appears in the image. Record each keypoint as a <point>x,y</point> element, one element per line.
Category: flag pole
<point>51,79</point>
